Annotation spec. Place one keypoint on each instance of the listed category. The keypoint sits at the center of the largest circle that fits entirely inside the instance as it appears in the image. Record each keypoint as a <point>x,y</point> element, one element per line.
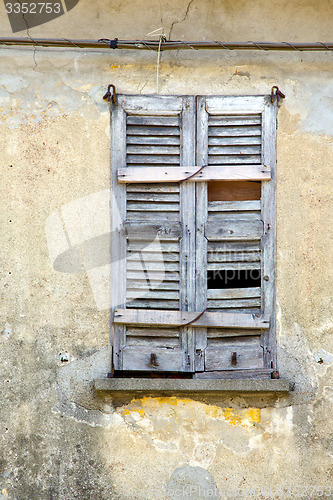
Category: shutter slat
<point>228,256</point>
<point>234,230</point>
<point>234,160</point>
<point>143,159</point>
<point>153,150</point>
<point>234,120</point>
<point>226,206</point>
<point>233,266</point>
<point>234,131</point>
<point>153,304</point>
<point>234,150</point>
<point>143,285</point>
<point>146,131</point>
<point>153,275</point>
<point>152,140</point>
<point>165,121</point>
<point>232,303</point>
<point>234,293</point>
<point>153,257</point>
<point>234,141</point>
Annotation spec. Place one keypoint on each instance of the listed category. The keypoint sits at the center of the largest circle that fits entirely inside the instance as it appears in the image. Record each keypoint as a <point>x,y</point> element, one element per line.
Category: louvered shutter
<point>153,232</point>
<point>236,237</point>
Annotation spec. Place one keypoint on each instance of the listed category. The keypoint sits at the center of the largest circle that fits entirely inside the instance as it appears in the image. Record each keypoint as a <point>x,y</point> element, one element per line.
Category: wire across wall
<point>164,45</point>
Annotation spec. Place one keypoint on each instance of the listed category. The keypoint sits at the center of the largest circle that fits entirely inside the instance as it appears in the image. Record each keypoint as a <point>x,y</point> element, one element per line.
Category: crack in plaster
<point>182,20</point>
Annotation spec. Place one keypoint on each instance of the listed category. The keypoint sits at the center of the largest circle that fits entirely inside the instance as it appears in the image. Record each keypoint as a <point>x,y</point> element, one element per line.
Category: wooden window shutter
<point>153,233</point>
<point>235,245</point>
<point>193,249</point>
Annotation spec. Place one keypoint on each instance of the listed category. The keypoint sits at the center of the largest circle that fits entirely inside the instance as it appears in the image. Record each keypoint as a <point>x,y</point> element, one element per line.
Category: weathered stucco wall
<point>60,441</point>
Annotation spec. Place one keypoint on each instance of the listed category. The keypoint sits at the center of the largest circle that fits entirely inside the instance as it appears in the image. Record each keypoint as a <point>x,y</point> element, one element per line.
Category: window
<point>193,236</point>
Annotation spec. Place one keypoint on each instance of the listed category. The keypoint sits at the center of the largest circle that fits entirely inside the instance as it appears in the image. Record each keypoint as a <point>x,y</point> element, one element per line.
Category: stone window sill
<point>119,386</point>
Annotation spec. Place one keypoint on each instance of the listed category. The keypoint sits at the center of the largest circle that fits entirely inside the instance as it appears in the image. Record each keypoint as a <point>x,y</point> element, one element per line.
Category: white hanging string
<point>162,37</point>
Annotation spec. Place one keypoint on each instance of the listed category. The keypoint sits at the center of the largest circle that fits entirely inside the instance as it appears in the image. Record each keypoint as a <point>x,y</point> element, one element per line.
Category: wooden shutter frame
<point>166,106</point>
<point>233,105</point>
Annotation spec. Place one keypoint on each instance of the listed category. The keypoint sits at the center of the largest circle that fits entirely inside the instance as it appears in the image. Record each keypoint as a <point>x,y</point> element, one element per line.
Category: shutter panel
<point>156,232</point>
<point>233,243</point>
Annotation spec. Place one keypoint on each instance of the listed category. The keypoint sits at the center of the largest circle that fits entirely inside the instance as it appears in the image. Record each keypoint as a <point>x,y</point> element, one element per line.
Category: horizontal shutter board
<point>236,171</point>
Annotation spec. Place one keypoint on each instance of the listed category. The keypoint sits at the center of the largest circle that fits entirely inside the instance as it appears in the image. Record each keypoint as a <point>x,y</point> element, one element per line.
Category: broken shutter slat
<point>177,174</point>
<point>177,318</point>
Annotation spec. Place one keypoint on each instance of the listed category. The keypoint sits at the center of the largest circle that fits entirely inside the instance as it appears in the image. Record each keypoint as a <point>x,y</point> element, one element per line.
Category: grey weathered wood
<point>147,216</point>
<point>152,294</point>
<point>143,285</point>
<point>233,303</point>
<point>151,344</point>
<point>236,105</point>
<point>177,318</point>
<point>234,160</point>
<point>156,276</point>
<point>201,242</point>
<point>139,358</point>
<point>257,373</point>
<point>153,159</point>
<point>177,174</point>
<point>233,150</point>
<point>165,121</point>
<point>154,256</point>
<point>226,141</point>
<point>234,230</point>
<point>143,230</point>
<point>234,266</point>
<point>164,131</point>
<point>233,256</point>
<point>172,140</point>
<point>146,246</point>
<point>234,246</point>
<point>187,243</point>
<point>150,304</point>
<point>229,333</point>
<point>154,150</point>
<point>234,131</point>
<point>269,238</point>
<point>152,266</point>
<point>235,120</point>
<point>234,293</point>
<point>153,188</point>
<point>153,197</point>
<point>152,207</point>
<point>220,358</point>
<point>153,332</point>
<point>118,215</point>
<point>233,206</point>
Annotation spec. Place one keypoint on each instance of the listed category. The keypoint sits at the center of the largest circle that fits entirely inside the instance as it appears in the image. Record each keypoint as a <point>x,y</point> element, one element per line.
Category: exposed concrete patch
<point>192,482</point>
<point>76,397</point>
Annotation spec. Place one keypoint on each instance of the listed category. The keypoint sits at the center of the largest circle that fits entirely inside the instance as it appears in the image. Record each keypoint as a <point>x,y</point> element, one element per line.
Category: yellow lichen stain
<point>4,492</point>
<point>127,411</point>
<point>114,66</point>
<point>235,417</point>
<point>173,401</point>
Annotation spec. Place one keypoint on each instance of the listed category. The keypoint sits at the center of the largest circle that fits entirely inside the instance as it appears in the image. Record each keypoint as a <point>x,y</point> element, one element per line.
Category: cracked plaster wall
<point>58,440</point>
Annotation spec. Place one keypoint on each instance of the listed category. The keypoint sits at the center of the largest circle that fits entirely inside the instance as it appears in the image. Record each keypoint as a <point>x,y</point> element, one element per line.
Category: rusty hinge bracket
<point>277,94</point>
<point>108,96</point>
